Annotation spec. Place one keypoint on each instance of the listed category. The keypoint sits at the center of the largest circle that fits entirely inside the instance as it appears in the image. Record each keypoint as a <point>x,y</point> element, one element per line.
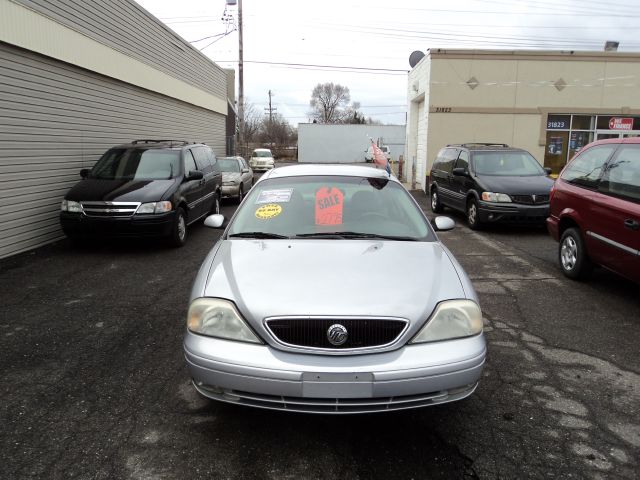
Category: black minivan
<point>148,188</point>
<point>490,183</point>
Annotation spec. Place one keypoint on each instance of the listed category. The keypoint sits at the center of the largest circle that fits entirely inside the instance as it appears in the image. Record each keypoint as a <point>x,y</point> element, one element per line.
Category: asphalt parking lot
<point>94,383</point>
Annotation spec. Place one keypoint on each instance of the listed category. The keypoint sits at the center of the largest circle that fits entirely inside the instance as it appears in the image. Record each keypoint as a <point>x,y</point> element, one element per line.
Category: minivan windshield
<point>137,163</point>
<point>508,164</point>
<point>330,207</point>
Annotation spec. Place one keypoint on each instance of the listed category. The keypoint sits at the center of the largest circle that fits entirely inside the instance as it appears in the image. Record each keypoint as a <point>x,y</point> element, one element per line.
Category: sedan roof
<point>328,169</point>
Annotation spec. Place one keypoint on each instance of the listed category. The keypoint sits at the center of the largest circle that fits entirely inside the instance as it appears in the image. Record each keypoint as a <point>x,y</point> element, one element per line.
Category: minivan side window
<point>585,169</point>
<point>463,160</point>
<point>622,175</point>
<point>189,162</point>
<point>202,159</point>
<point>446,159</point>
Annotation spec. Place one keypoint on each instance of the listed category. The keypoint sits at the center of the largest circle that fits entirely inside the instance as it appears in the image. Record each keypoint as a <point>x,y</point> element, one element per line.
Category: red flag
<point>379,157</point>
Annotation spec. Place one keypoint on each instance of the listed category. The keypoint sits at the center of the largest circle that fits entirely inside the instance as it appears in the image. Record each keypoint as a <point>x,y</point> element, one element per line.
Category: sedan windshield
<point>137,163</point>
<point>229,165</point>
<point>330,207</point>
<point>508,164</point>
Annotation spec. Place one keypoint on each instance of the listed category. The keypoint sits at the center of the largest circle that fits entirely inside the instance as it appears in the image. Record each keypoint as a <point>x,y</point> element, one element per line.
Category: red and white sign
<point>329,203</point>
<point>617,123</point>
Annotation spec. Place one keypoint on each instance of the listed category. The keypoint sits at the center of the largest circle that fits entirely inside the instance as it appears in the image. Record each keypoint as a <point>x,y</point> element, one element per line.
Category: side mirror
<point>443,224</point>
<point>214,221</point>
<point>84,173</point>
<point>245,170</point>
<point>460,172</point>
<point>548,170</point>
<point>194,175</point>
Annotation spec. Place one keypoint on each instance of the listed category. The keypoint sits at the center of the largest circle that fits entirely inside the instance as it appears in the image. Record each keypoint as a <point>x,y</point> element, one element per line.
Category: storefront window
<point>582,122</point>
<point>577,140</point>
<point>568,134</point>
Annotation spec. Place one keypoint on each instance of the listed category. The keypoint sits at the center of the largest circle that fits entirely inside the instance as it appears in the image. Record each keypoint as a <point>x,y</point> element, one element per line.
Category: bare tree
<point>329,103</point>
<point>252,125</point>
<point>276,131</point>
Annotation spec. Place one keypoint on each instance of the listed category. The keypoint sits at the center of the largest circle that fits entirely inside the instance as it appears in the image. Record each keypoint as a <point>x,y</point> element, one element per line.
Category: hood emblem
<point>337,334</point>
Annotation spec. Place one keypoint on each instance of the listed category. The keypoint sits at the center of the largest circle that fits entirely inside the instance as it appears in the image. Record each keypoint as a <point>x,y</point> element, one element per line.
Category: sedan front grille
<point>109,209</point>
<point>313,332</point>
<point>530,199</point>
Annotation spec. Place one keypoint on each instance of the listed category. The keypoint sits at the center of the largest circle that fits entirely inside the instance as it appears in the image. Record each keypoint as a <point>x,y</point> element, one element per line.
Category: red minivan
<point>595,210</point>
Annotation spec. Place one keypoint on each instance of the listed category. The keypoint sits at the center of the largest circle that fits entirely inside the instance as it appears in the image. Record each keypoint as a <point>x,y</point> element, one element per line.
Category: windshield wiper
<point>257,235</point>
<point>356,235</point>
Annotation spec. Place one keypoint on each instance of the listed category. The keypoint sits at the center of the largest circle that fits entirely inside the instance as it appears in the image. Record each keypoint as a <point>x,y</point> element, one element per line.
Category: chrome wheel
<point>472,213</point>
<point>572,255</point>
<point>178,235</point>
<point>568,253</point>
<point>181,228</point>
<point>434,200</point>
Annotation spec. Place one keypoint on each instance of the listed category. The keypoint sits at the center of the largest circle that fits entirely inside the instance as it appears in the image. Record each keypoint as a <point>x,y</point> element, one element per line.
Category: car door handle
<point>632,224</point>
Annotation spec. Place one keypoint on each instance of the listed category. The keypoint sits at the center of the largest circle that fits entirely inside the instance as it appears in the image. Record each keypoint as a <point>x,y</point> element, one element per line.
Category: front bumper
<point>230,190</point>
<point>261,376</point>
<point>553,226</point>
<point>512,213</point>
<point>261,168</point>
<point>78,225</point>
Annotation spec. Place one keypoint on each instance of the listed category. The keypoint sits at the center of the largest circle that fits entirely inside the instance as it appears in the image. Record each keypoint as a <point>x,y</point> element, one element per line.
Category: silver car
<point>329,292</point>
<point>237,177</point>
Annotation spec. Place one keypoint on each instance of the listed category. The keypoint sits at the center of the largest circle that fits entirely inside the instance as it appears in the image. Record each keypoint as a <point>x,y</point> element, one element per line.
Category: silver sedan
<point>329,292</point>
<point>237,177</point>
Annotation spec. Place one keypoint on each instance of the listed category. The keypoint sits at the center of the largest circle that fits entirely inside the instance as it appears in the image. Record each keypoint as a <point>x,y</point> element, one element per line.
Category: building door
<point>421,150</point>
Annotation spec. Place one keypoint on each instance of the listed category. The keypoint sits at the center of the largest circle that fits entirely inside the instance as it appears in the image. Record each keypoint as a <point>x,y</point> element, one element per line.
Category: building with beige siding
<point>79,77</point>
<point>550,103</point>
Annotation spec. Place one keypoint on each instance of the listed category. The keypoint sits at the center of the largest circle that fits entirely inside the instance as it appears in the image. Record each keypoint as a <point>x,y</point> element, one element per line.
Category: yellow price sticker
<point>266,212</point>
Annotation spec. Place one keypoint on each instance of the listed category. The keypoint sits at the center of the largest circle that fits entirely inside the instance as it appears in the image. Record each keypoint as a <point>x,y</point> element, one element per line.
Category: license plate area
<point>337,385</point>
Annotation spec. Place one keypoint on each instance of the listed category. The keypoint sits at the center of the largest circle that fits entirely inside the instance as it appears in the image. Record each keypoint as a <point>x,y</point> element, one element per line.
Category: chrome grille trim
<point>401,324</point>
<point>530,199</point>
<point>110,209</point>
<point>335,405</point>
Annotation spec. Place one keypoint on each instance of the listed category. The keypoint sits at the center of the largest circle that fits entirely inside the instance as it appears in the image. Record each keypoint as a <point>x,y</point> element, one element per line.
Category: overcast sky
<point>306,42</point>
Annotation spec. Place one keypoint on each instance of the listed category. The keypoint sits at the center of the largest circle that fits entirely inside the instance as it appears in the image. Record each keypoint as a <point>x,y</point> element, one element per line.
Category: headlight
<point>70,206</point>
<point>451,319</point>
<point>231,183</point>
<point>216,317</point>
<point>495,197</point>
<point>154,207</point>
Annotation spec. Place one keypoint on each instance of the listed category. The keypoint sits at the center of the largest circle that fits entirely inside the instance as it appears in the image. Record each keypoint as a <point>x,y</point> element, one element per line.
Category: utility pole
<point>240,76</point>
<point>270,108</point>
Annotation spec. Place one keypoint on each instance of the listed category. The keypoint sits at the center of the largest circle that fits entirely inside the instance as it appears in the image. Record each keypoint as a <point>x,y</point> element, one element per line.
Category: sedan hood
<point>522,185</point>
<point>230,176</point>
<point>332,277</point>
<point>93,189</point>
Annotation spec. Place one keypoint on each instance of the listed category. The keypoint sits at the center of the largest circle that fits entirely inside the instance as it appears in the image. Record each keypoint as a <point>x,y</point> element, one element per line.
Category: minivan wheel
<point>573,258</point>
<point>473,214</point>
<point>436,206</point>
<point>178,236</point>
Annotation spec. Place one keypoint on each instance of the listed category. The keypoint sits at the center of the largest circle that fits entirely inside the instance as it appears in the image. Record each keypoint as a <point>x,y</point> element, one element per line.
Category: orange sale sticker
<point>329,206</point>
